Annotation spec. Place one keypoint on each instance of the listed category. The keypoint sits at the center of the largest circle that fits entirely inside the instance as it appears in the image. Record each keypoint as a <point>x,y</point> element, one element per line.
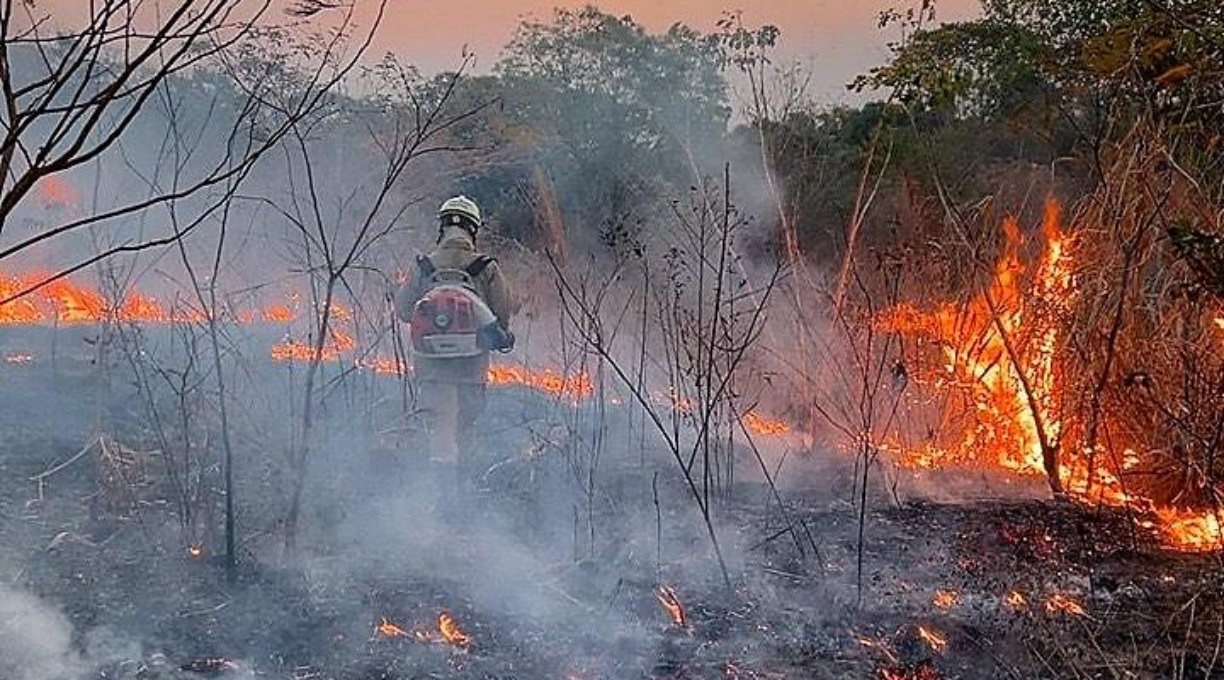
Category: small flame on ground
<point>451,632</point>
<point>880,646</point>
<point>195,550</point>
<point>575,386</point>
<point>759,424</point>
<point>672,605</point>
<point>389,629</point>
<point>1061,603</point>
<point>1190,531</point>
<point>923,671</point>
<point>294,350</point>
<point>66,302</point>
<point>278,314</point>
<point>945,599</point>
<point>935,640</point>
<point>18,358</point>
<point>1016,600</point>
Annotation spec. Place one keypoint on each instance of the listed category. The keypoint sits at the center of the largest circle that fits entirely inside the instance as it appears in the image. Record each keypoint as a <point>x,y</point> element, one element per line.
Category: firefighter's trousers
<point>452,409</point>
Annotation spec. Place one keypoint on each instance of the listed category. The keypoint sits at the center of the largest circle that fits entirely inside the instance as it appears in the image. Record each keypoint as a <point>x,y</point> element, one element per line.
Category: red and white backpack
<point>451,320</point>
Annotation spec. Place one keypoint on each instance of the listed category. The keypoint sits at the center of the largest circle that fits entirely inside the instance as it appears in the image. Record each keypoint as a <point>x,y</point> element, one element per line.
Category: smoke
<point>574,538</point>
<point>38,642</point>
<point>35,639</point>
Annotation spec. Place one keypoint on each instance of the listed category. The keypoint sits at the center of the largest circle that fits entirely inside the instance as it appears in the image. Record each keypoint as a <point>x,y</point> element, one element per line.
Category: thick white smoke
<point>35,639</point>
<point>39,642</point>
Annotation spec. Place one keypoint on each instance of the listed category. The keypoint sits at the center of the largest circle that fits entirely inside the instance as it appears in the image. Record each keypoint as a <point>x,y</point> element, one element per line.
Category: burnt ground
<point>551,583</point>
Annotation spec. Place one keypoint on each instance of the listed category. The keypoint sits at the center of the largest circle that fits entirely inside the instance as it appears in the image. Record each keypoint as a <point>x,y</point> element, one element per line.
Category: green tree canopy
<point>1123,53</point>
<point>599,114</point>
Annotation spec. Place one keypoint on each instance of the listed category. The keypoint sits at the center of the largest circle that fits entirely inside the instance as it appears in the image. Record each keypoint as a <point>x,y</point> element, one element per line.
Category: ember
<point>923,671</point>
<point>388,629</point>
<point>672,605</point>
<point>1016,600</point>
<point>1061,603</point>
<point>945,599</point>
<point>451,632</point>
<point>936,641</point>
<point>759,424</point>
<point>278,314</point>
<point>195,550</point>
<point>18,358</point>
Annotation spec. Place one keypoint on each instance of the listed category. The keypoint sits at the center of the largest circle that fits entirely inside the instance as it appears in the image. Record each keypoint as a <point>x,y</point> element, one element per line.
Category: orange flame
<point>277,314</point>
<point>945,599</point>
<point>1191,531</point>
<point>672,605</point>
<point>1061,603</point>
<point>451,632</point>
<point>975,341</point>
<point>294,350</point>
<point>67,302</point>
<point>195,550</point>
<point>563,385</point>
<point>766,427</point>
<point>934,639</point>
<point>1014,386</point>
<point>389,629</point>
<point>923,671</point>
<point>1016,600</point>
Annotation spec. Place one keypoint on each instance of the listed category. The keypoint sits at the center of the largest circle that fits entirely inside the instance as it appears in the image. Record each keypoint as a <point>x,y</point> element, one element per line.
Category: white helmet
<point>459,209</point>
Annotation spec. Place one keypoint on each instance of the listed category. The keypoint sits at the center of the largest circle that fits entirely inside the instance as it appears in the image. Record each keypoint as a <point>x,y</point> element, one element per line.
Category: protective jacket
<point>456,250</point>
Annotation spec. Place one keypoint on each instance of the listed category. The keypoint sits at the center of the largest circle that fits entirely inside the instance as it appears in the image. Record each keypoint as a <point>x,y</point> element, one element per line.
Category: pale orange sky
<point>836,39</point>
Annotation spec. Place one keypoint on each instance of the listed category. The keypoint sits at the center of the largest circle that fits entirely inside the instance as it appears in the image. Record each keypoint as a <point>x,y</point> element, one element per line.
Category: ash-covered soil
<point>549,574</point>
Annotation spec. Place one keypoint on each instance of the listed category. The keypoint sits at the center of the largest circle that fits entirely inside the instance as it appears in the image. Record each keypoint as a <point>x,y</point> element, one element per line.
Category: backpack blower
<point>452,320</point>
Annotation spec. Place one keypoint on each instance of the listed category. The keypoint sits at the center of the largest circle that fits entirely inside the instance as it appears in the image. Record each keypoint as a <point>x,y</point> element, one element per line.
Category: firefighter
<point>453,389</point>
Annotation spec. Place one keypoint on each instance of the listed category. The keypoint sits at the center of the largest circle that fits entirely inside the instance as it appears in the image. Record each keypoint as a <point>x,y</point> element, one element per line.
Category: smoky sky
<point>834,40</point>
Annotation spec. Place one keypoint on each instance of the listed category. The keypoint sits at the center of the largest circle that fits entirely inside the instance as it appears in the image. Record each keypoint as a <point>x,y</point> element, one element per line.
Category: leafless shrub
<point>706,321</point>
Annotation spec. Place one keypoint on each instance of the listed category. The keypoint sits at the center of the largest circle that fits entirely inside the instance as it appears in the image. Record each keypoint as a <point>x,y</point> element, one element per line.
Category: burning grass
<point>446,631</point>
<point>934,639</point>
<point>1060,603</point>
<point>945,599</point>
<point>671,604</point>
<point>998,383</point>
<point>70,303</point>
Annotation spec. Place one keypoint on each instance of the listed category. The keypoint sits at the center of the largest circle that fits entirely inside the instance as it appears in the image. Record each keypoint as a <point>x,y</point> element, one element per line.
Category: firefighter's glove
<point>494,337</point>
